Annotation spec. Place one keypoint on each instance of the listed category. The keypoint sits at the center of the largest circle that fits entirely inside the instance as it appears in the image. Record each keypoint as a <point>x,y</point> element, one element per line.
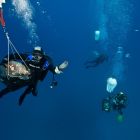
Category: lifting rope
<point>13,49</point>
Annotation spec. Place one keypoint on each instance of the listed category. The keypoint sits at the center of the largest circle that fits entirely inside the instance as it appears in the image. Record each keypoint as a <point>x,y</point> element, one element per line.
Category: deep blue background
<point>72,110</point>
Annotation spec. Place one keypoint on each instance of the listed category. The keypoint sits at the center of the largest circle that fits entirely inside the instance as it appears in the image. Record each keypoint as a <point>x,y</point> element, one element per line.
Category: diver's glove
<point>59,69</point>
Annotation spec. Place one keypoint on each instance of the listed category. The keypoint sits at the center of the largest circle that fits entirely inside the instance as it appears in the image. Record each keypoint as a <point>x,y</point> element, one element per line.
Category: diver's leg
<point>26,92</point>
<point>34,92</point>
<point>34,89</point>
<point>4,92</point>
<point>9,88</point>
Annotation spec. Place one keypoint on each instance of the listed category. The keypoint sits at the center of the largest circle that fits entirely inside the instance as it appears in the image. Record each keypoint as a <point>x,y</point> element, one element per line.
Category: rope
<point>13,48</point>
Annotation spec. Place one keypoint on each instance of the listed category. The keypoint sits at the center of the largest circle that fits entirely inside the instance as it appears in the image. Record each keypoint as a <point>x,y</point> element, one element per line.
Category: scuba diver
<point>106,104</point>
<point>119,102</point>
<point>115,103</point>
<point>34,69</point>
<point>99,59</point>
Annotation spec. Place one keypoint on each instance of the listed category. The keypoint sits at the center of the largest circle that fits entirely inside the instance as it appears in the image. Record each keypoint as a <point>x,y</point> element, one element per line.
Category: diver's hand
<point>59,69</point>
<point>63,65</point>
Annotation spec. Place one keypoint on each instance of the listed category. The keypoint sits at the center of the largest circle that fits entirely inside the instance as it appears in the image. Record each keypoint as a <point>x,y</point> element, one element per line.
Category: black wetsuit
<point>99,60</point>
<point>119,102</point>
<point>39,70</point>
<point>116,103</point>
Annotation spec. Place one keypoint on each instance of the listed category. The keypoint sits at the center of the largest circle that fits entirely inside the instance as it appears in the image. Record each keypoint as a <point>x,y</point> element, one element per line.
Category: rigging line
<point>18,54</point>
<point>12,46</point>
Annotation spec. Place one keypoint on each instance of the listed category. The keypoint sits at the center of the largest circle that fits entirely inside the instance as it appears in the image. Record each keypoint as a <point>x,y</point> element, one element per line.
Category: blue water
<point>72,110</point>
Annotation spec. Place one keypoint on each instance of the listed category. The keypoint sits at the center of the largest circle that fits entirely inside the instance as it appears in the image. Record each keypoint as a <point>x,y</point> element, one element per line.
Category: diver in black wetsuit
<point>106,104</point>
<point>98,60</point>
<point>116,103</point>
<point>39,65</point>
<point>119,102</point>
